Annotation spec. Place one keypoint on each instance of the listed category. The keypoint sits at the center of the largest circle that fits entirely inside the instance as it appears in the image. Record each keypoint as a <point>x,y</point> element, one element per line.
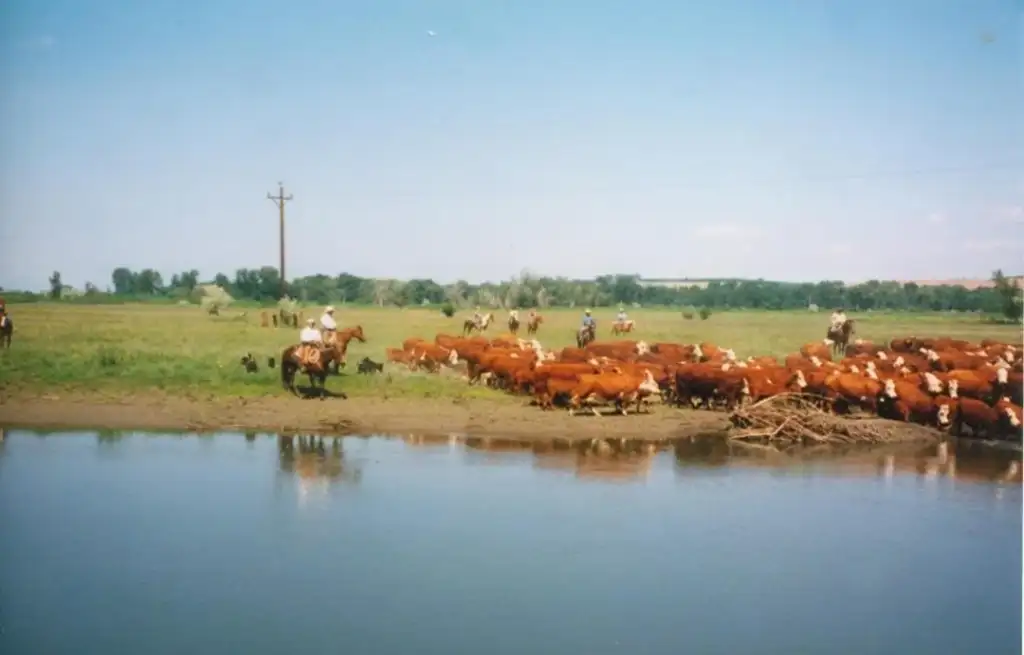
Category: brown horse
<point>533,324</point>
<point>470,325</point>
<point>314,361</point>
<point>623,327</point>
<point>513,325</point>
<point>841,338</point>
<point>586,335</point>
<point>341,339</point>
<point>6,330</point>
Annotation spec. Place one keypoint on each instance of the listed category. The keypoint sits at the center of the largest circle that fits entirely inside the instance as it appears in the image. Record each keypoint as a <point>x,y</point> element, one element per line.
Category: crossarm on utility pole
<point>280,200</point>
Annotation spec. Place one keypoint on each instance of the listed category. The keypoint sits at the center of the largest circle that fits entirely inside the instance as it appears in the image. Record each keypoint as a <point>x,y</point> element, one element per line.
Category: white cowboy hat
<point>329,309</point>
<point>586,311</point>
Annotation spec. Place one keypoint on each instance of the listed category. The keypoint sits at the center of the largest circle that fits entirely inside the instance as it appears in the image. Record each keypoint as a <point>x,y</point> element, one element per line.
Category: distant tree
<point>56,286</point>
<point>1009,296</point>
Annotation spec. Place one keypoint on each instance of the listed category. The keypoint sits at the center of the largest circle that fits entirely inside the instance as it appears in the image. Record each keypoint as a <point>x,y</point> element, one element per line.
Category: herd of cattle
<point>942,382</point>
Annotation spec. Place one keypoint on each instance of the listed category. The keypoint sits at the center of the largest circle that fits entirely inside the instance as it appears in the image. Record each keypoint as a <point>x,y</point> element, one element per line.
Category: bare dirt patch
<point>511,418</point>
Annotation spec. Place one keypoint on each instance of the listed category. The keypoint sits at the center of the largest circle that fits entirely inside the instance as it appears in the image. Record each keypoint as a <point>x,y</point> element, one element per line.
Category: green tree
<point>1009,295</point>
<point>56,286</point>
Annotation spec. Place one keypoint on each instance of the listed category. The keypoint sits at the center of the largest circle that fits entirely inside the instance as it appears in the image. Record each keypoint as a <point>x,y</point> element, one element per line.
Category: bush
<point>448,309</point>
<point>689,312</point>
<point>688,315</point>
<point>704,313</point>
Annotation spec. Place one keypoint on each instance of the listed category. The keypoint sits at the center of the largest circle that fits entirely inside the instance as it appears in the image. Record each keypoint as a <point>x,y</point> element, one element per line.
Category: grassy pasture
<point>118,349</point>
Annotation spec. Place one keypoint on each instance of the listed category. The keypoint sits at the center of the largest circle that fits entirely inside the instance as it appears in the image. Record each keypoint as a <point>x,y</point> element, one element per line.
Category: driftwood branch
<point>797,419</point>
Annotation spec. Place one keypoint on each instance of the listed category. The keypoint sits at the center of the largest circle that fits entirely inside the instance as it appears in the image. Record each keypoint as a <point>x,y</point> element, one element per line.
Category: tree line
<point>526,290</point>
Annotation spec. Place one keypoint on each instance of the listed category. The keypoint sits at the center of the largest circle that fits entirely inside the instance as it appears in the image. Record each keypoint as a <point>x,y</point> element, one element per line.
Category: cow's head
<point>933,383</point>
<point>899,361</point>
<point>954,388</point>
<point>649,385</point>
<point>730,354</point>
<point>642,348</point>
<point>799,380</point>
<point>815,361</point>
<point>1011,416</point>
<point>881,354</point>
<point>943,416</point>
<point>698,354</point>
<point>1002,376</point>
<point>890,389</point>
<point>453,357</point>
<point>871,373</point>
<point>932,356</point>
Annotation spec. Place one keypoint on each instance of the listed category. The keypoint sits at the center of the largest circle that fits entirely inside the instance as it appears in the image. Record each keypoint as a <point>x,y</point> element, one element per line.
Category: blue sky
<point>840,139</point>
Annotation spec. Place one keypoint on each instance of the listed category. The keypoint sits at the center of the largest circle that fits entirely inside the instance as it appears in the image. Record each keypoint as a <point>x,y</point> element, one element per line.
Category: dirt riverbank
<point>510,419</point>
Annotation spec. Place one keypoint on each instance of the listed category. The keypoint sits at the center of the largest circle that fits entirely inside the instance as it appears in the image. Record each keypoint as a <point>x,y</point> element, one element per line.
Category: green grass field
<point>124,348</point>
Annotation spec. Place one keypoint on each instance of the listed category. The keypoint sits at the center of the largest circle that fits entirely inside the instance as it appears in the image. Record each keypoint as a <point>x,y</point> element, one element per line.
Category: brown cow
<point>820,349</point>
<point>994,422</point>
<point>857,390</point>
<point>619,388</point>
<point>906,402</point>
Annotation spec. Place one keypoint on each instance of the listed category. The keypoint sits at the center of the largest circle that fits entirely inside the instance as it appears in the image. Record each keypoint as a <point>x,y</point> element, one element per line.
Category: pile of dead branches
<point>797,419</point>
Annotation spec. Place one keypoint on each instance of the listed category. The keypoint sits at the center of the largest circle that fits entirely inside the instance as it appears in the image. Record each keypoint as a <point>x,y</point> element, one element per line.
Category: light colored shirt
<point>310,335</point>
<point>327,321</point>
<point>588,321</point>
<point>622,316</point>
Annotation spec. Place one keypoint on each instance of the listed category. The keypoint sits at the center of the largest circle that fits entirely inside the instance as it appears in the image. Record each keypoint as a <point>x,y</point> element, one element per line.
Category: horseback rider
<point>838,320</point>
<point>622,314</point>
<point>477,316</point>
<point>588,321</point>
<point>328,325</point>
<point>310,336</point>
<point>513,315</point>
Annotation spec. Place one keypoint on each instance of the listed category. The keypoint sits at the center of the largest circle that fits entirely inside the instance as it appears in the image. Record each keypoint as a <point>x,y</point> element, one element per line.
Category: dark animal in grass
<point>6,330</point>
<point>368,366</point>
<point>270,362</point>
<point>249,363</point>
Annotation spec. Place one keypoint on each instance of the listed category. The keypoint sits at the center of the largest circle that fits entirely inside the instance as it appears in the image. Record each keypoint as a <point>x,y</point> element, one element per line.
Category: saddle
<point>308,355</point>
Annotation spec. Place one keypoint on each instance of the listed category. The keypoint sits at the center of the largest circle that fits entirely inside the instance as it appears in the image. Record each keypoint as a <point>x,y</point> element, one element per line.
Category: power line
<point>280,200</point>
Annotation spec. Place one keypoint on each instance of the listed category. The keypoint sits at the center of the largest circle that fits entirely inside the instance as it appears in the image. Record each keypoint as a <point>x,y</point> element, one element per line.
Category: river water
<point>132,543</point>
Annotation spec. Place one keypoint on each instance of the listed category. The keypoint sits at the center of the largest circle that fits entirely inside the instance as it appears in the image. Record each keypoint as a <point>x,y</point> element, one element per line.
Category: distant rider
<point>622,315</point>
<point>328,325</point>
<point>513,315</point>
<point>588,320</point>
<point>838,319</point>
<point>477,316</point>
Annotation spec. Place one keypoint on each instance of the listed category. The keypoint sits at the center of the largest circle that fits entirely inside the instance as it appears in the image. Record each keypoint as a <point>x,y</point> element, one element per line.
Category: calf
<point>249,363</point>
<point>368,366</point>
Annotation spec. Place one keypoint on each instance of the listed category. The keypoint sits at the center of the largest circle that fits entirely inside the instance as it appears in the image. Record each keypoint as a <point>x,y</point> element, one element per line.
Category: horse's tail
<point>288,368</point>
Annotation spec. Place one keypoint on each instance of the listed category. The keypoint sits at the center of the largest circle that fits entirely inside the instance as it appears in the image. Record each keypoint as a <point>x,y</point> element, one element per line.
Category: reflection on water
<point>448,544</point>
<point>963,461</point>
<point>316,462</point>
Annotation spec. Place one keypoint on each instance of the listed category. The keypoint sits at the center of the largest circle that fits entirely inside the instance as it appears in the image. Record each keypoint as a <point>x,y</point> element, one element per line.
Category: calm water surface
<point>190,545</point>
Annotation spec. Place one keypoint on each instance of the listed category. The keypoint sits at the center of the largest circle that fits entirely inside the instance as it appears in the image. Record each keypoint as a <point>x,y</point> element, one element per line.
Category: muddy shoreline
<point>511,418</point>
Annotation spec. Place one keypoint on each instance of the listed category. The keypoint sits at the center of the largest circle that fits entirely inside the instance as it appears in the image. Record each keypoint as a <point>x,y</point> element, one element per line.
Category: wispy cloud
<point>1013,214</point>
<point>726,231</point>
<point>41,42</point>
<point>992,245</point>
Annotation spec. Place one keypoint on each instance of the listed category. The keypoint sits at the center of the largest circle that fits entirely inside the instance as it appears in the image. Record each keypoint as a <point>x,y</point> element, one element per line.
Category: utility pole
<point>280,199</point>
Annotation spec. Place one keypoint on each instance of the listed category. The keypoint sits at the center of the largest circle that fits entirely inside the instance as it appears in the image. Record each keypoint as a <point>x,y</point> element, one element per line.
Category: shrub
<point>704,313</point>
<point>448,309</point>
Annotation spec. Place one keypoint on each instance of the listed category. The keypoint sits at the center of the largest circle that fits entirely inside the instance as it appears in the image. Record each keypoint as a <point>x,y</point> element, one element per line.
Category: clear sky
<point>784,139</point>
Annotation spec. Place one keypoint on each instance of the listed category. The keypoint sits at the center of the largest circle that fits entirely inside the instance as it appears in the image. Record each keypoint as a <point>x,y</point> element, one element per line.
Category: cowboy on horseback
<point>310,336</point>
<point>622,315</point>
<point>513,315</point>
<point>478,318</point>
<point>328,325</point>
<point>588,321</point>
<point>838,320</point>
